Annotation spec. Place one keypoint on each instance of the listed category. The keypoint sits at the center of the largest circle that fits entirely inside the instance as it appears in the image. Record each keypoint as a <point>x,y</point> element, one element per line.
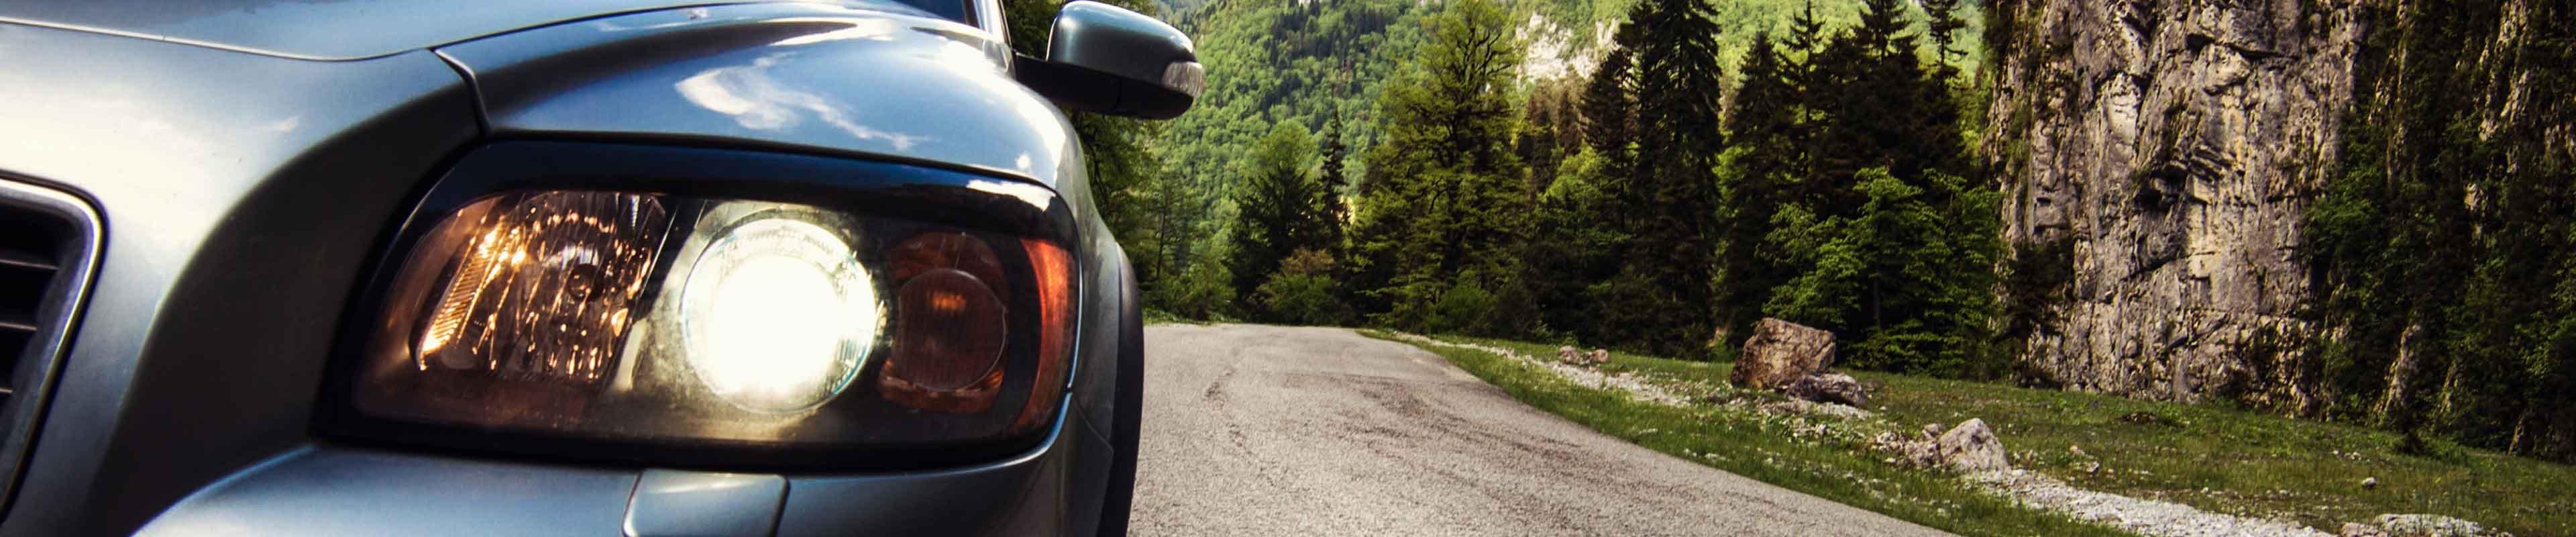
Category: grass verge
<point>2212,458</point>
<point>1832,463</point>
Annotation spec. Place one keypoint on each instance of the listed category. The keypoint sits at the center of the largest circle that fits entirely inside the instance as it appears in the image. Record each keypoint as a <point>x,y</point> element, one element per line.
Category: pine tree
<point>1275,214</point>
<point>1609,112</point>
<point>1760,177</point>
<point>1844,208</point>
<point>1942,27</point>
<point>1878,105</point>
<point>1536,143</point>
<point>1908,277</point>
<point>1574,244</point>
<point>1672,197</point>
<point>1333,182</point>
<point>1450,209</point>
<point>1800,53</point>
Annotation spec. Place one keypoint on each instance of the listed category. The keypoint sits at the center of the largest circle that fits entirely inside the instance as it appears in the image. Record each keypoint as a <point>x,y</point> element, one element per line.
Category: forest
<point>1392,163</point>
<point>1623,208</point>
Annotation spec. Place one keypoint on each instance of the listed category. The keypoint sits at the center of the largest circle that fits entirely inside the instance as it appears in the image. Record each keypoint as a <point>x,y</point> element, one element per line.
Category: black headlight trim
<point>907,191</point>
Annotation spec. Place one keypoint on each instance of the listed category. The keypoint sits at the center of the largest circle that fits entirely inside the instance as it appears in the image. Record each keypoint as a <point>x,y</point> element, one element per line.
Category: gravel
<point>2147,517</point>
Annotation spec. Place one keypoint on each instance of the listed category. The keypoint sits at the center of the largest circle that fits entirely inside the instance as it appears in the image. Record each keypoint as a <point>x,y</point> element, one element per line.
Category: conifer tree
<point>1762,174</point>
<point>1609,112</point>
<point>1451,209</point>
<point>1672,197</point>
<point>1942,27</point>
<point>1908,277</point>
<point>1573,245</point>
<point>1332,181</point>
<point>1536,143</point>
<point>1844,207</point>
<point>1275,212</point>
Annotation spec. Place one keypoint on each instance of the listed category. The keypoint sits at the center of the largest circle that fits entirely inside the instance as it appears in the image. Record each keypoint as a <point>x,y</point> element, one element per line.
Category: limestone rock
<point>1910,452</point>
<point>2419,526</point>
<point>1812,409</point>
<point>1972,447</point>
<point>2172,148</point>
<point>1829,388</point>
<point>1779,352</point>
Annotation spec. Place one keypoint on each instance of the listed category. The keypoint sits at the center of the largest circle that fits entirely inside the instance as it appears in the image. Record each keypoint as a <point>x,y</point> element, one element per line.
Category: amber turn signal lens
<point>949,334</point>
<point>950,325</point>
<point>1054,275</point>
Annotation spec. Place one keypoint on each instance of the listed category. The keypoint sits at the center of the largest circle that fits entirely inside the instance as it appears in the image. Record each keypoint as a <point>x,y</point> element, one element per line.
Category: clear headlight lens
<point>627,316</point>
<point>778,315</point>
<point>544,285</point>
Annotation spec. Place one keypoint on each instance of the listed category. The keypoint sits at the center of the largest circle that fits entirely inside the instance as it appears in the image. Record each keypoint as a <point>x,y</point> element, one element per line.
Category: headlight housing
<point>593,317</point>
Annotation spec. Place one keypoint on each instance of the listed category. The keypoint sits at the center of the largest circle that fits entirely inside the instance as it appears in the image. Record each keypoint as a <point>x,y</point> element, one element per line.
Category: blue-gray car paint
<point>245,177</point>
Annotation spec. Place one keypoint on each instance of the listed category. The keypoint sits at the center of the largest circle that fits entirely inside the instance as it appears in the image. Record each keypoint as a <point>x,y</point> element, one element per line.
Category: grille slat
<point>48,242</point>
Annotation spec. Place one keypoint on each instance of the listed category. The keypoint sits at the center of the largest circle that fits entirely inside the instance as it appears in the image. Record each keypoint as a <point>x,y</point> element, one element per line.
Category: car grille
<point>48,242</point>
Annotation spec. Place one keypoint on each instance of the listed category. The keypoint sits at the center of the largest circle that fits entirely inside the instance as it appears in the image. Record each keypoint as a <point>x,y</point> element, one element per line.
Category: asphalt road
<point>1258,430</point>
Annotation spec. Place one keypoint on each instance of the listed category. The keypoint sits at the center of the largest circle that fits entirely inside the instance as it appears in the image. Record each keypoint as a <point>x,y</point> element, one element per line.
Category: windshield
<point>956,10</point>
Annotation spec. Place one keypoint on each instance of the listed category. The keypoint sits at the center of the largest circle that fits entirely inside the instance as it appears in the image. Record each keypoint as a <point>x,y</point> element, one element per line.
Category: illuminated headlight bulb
<point>778,316</point>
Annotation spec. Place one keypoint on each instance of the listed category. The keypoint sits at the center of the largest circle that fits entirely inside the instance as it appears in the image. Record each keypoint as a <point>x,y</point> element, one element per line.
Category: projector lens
<point>778,316</point>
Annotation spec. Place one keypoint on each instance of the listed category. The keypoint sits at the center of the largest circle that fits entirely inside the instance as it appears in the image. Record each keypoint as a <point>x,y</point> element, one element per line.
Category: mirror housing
<point>1105,59</point>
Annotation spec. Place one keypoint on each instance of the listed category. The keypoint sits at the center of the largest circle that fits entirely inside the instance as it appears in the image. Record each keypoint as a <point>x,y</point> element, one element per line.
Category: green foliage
<point>1459,307</point>
<point>1551,130</point>
<point>1446,194</point>
<point>1205,290</point>
<point>1615,208</point>
<point>1309,63</point>
<point>1334,183</point>
<point>2038,278</point>
<point>1842,206</point>
<point>1280,210</point>
<point>2442,246</point>
<point>1877,103</point>
<point>1303,291</point>
<point>1572,245</point>
<point>1907,277</point>
<point>1657,119</point>
<point>1761,174</point>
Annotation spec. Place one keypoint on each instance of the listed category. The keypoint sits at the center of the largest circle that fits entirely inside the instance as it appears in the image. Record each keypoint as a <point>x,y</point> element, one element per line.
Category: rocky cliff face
<point>2170,149</point>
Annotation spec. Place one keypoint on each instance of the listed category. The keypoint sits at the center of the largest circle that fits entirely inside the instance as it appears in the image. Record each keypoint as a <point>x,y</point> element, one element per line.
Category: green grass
<point>1789,452</point>
<point>2249,464</point>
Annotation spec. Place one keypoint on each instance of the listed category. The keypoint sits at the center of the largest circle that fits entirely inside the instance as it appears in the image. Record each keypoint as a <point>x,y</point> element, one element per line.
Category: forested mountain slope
<point>1321,64</point>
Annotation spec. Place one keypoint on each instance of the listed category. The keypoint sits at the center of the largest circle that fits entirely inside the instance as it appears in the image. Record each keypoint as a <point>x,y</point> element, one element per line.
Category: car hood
<point>335,29</point>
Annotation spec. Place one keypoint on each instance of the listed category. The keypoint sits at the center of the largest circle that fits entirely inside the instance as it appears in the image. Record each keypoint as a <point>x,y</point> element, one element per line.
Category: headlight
<point>632,317</point>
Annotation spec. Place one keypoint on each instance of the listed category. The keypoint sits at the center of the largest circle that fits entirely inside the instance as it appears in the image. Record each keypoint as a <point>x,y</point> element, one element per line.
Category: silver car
<point>389,267</point>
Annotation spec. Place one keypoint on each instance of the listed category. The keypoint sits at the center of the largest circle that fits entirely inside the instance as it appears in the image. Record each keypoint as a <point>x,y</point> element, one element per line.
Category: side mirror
<point>1106,59</point>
